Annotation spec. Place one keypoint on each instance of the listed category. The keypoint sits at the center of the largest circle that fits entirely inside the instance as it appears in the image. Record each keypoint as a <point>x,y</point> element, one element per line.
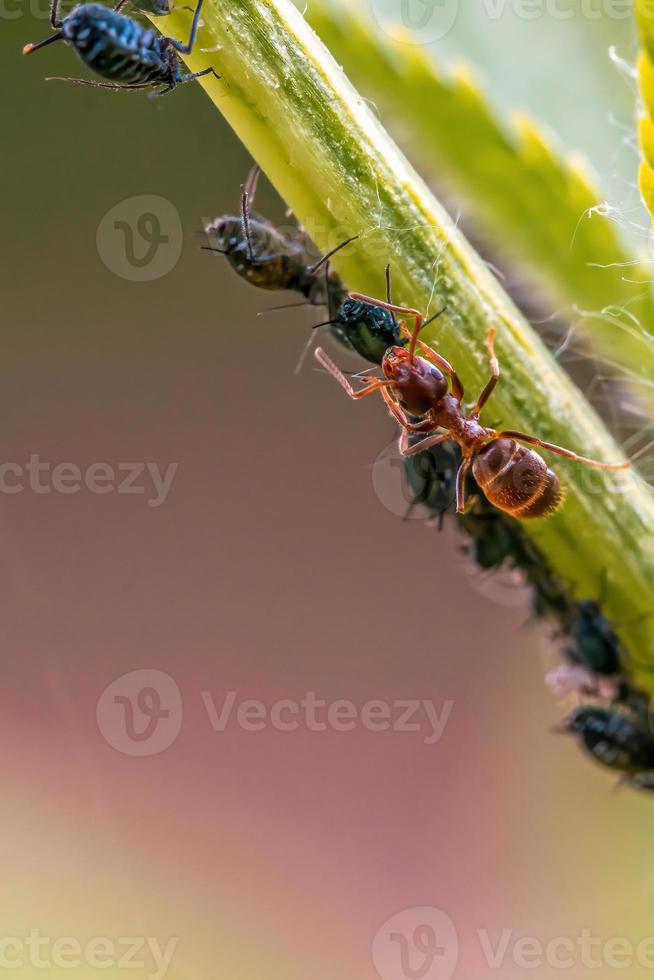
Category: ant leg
<point>445,366</point>
<point>422,446</point>
<point>187,48</point>
<point>335,372</point>
<point>461,486</point>
<point>184,78</point>
<point>400,415</point>
<point>495,374</point>
<point>534,441</point>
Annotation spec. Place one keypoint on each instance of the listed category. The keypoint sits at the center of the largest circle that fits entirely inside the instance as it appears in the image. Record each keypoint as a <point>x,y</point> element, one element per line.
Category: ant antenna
<point>325,258</point>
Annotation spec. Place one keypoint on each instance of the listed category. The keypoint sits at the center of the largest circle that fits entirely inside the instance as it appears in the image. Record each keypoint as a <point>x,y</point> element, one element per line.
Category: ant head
<point>418,384</point>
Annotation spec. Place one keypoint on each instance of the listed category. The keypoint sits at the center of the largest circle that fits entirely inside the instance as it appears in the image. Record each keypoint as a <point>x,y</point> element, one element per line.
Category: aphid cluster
<point>613,724</point>
<point>274,260</point>
<point>449,457</point>
<point>118,48</point>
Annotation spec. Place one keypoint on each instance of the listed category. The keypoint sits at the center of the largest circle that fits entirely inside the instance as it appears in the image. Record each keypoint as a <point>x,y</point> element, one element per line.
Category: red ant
<point>514,479</point>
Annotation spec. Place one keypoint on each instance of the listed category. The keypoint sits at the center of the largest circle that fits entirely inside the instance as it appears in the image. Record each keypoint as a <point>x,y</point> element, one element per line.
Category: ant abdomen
<point>516,479</point>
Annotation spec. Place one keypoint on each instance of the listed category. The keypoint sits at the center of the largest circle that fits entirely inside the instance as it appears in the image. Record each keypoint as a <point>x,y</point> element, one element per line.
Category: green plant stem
<point>533,205</point>
<point>340,172</point>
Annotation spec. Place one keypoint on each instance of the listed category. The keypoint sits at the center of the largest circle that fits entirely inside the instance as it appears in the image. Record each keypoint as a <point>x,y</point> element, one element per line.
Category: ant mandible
<point>513,478</point>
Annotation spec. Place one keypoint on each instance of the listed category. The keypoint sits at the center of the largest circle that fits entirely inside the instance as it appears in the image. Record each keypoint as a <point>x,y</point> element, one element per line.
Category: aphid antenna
<point>325,323</point>
<point>211,248</point>
<point>434,317</point>
<point>284,306</point>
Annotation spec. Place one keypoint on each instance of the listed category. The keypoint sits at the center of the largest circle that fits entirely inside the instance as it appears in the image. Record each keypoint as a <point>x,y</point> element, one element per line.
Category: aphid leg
<point>54,15</point>
<point>461,486</point>
<point>187,78</point>
<point>335,372</point>
<point>107,85</point>
<point>445,366</point>
<point>534,441</point>
<point>495,374</point>
<point>420,447</point>
<point>187,48</point>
